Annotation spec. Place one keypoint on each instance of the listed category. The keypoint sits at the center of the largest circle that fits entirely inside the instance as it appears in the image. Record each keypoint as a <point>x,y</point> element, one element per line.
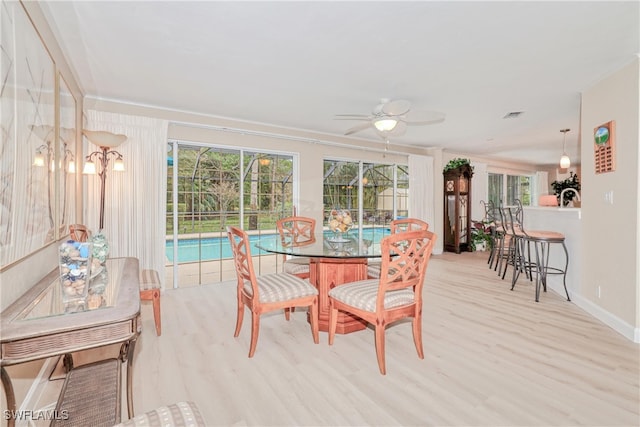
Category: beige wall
<point>611,257</point>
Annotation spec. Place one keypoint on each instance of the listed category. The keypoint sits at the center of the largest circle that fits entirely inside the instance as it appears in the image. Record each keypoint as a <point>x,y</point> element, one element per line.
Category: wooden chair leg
<point>150,291</point>
<point>239,317</point>
<point>417,335</point>
<point>255,330</point>
<point>288,311</point>
<point>333,322</point>
<point>314,321</point>
<point>156,311</point>
<point>379,330</point>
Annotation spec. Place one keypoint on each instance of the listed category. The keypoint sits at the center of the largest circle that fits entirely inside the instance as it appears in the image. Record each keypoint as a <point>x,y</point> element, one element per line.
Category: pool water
<point>215,248</point>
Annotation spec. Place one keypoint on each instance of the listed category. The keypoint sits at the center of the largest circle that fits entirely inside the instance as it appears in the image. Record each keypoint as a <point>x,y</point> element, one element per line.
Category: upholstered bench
<point>150,291</point>
<point>181,414</point>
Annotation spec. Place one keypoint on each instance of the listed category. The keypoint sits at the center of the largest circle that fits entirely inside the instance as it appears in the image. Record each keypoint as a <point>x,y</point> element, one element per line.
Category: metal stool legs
<point>542,263</point>
<point>521,259</point>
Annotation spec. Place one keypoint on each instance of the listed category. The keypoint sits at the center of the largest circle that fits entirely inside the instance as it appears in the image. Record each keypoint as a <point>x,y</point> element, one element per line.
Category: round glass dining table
<point>333,260</point>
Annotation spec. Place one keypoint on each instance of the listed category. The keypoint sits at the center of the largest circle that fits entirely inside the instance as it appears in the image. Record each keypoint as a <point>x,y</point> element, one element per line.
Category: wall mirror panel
<point>30,154</point>
<point>68,162</point>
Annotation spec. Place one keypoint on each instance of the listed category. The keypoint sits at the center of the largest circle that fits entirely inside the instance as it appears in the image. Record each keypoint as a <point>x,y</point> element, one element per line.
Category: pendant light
<point>565,161</point>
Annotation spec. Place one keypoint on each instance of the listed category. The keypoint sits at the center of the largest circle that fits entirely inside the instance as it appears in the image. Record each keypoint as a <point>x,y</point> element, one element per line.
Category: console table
<point>38,325</point>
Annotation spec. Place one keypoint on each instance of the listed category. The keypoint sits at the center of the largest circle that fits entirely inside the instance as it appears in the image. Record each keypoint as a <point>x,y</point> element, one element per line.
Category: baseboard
<point>609,319</point>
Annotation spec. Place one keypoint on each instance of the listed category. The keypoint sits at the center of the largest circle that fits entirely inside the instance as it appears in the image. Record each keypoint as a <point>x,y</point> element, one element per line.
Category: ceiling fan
<point>391,117</point>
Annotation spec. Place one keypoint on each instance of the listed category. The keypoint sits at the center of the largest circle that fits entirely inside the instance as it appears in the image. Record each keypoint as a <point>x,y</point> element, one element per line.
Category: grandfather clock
<point>457,208</point>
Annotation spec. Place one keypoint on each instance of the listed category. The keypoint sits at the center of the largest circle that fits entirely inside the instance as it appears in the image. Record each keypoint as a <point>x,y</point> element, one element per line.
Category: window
<point>384,190</point>
<point>507,188</point>
<point>216,187</point>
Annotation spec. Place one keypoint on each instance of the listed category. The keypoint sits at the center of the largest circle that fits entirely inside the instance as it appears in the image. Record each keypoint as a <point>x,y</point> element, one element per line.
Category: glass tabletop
<point>322,246</point>
<point>102,292</point>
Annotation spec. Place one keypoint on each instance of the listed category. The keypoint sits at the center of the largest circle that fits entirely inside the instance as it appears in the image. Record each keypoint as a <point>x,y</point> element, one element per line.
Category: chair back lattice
<point>511,221</point>
<point>518,213</point>
<point>405,257</point>
<point>296,230</point>
<point>241,248</point>
<point>407,224</point>
<point>79,232</point>
<point>491,215</point>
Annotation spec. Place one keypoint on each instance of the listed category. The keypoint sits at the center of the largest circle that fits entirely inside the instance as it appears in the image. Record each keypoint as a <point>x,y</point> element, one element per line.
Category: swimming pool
<point>215,248</point>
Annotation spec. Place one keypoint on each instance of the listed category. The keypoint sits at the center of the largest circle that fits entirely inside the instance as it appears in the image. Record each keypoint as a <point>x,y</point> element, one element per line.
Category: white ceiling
<point>297,64</point>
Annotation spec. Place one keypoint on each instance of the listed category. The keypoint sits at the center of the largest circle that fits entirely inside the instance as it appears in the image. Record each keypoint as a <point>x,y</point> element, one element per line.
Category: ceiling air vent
<point>513,115</point>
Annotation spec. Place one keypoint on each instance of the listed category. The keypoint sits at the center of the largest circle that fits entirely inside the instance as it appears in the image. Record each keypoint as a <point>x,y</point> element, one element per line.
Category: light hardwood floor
<point>493,357</point>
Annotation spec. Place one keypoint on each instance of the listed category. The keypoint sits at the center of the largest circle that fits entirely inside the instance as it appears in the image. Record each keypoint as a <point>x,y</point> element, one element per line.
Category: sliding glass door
<point>373,193</point>
<point>212,187</point>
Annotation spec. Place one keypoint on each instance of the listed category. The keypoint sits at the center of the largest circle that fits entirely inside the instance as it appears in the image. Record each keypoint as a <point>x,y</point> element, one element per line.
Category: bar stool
<point>491,220</point>
<point>542,241</point>
<point>510,251</point>
<point>513,218</point>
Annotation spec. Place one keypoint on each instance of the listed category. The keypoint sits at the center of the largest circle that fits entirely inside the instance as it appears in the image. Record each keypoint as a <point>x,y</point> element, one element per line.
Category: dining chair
<point>407,224</point>
<point>396,226</point>
<point>296,231</point>
<point>268,292</point>
<point>395,295</point>
<point>79,232</point>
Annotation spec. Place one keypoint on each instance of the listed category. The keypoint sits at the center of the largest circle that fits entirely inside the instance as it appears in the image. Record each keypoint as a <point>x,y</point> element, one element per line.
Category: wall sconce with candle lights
<point>44,153</point>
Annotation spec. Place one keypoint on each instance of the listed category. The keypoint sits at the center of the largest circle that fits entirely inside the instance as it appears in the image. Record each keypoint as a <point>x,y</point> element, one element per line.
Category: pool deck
<point>210,272</point>
<point>214,234</point>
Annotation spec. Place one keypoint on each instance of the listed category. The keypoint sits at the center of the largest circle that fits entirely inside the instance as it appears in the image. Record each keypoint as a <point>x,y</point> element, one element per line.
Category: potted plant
<point>481,236</point>
<point>572,182</point>
<point>456,163</point>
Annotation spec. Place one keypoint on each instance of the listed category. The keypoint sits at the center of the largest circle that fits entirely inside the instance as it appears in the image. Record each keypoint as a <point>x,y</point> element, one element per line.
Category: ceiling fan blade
<point>352,117</point>
<point>397,107</point>
<point>425,122</point>
<point>399,129</point>
<point>418,118</point>
<point>357,128</point>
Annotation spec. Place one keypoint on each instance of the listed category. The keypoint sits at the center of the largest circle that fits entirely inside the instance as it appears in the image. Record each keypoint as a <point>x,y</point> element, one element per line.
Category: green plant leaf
<point>456,163</point>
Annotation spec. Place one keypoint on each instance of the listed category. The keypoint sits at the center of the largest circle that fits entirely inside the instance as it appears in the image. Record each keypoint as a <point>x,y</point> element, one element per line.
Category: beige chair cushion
<point>181,414</point>
<point>297,265</point>
<point>373,269</point>
<point>149,279</point>
<point>363,295</point>
<point>280,287</point>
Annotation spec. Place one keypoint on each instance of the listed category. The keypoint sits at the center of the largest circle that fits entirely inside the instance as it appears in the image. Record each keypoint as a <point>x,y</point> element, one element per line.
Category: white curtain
<point>421,189</point>
<point>542,186</point>
<point>135,200</point>
<point>479,190</point>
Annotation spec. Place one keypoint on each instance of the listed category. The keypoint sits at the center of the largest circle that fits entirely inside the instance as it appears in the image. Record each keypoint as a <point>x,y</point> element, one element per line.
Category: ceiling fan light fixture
<point>385,124</point>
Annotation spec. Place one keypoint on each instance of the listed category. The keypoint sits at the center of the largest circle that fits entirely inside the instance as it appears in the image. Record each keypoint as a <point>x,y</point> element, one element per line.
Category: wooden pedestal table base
<point>326,274</point>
